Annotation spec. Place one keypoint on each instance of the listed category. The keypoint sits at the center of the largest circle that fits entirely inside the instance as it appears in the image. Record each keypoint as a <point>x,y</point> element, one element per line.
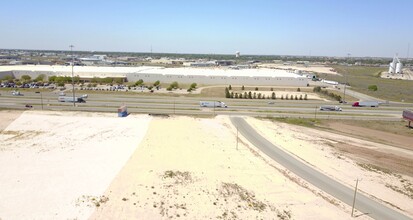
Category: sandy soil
<point>324,150</point>
<point>7,117</point>
<point>95,165</point>
<point>50,162</point>
<point>190,168</point>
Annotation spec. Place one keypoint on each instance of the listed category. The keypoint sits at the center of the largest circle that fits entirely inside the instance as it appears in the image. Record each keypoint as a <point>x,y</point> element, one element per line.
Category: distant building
<point>205,76</point>
<point>395,66</point>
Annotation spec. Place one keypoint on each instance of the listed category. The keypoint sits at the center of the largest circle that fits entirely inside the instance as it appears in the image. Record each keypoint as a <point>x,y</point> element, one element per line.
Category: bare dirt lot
<point>69,165</point>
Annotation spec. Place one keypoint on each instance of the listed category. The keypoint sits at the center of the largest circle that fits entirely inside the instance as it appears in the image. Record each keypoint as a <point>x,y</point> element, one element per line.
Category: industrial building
<point>204,76</point>
<point>395,66</point>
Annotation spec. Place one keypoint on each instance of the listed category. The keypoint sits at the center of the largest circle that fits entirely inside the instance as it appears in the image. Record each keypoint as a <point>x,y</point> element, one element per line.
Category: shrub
<point>236,95</point>
<point>156,83</point>
<point>256,88</point>
<point>296,98</point>
<point>272,89</point>
<point>249,95</point>
<point>240,96</point>
<point>305,97</point>
<point>193,85</point>
<point>286,97</point>
<point>189,90</point>
<point>230,87</point>
<point>245,95</point>
<point>298,89</point>
<point>273,95</point>
<point>282,97</point>
<point>254,96</point>
<point>291,97</point>
<point>169,88</point>
<point>259,95</point>
<point>301,97</point>
<point>232,95</point>
<point>242,88</point>
<point>372,87</point>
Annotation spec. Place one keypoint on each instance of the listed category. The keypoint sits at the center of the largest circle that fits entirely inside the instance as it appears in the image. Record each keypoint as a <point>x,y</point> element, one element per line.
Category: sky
<point>360,28</point>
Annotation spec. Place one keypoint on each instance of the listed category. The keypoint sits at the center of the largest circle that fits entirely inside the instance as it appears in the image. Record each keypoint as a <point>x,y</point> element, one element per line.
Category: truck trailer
<point>70,99</point>
<point>408,115</point>
<point>212,104</point>
<point>330,108</point>
<point>366,104</point>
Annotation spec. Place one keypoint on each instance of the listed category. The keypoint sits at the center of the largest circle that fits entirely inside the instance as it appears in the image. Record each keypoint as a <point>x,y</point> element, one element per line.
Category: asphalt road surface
<point>364,204</point>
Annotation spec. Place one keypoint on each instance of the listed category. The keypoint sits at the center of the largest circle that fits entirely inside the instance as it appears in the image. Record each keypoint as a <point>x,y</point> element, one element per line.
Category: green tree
<point>296,98</point>
<point>193,85</point>
<point>298,89</point>
<point>249,95</point>
<point>174,85</point>
<point>255,95</point>
<point>291,97</point>
<point>272,89</point>
<point>240,96</point>
<point>273,95</point>
<point>236,95</point>
<point>232,95</point>
<point>227,94</point>
<point>301,97</point>
<point>156,83</point>
<point>40,78</point>
<point>259,95</point>
<point>282,97</point>
<point>25,78</point>
<point>286,97</point>
<point>256,88</point>
<point>230,87</point>
<point>242,88</point>
<point>305,97</point>
<point>7,78</point>
<point>245,95</point>
<point>139,82</point>
<point>52,78</point>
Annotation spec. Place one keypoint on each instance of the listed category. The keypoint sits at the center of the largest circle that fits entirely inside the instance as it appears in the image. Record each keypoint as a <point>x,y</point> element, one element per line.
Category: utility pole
<point>41,99</point>
<point>315,113</point>
<point>73,81</point>
<point>354,198</point>
<point>345,84</point>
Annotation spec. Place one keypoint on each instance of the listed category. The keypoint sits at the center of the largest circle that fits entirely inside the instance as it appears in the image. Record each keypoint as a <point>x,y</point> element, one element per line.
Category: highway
<point>156,104</point>
<point>345,194</point>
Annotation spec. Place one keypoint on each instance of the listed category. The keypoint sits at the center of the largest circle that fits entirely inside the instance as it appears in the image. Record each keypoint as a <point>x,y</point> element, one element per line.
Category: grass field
<point>360,78</point>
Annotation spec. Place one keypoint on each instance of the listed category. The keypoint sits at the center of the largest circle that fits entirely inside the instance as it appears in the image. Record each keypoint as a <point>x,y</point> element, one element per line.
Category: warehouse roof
<point>84,70</point>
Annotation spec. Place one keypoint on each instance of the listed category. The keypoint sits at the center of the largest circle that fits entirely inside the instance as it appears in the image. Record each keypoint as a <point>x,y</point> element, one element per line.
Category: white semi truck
<point>212,104</point>
<point>366,104</point>
<point>330,108</point>
<point>70,99</point>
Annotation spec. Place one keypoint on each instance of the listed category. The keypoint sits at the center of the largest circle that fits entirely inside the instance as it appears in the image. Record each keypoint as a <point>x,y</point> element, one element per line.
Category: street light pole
<point>354,198</point>
<point>41,99</point>
<point>73,81</point>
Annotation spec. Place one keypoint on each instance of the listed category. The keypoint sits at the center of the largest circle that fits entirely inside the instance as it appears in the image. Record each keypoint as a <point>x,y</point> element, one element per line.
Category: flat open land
<point>67,165</point>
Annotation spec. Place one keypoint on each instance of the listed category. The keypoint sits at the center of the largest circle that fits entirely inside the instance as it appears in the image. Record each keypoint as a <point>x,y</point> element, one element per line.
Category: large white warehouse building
<point>205,76</point>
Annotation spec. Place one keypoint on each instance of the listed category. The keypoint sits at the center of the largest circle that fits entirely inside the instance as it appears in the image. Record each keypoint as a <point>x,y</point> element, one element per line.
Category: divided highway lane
<point>363,203</point>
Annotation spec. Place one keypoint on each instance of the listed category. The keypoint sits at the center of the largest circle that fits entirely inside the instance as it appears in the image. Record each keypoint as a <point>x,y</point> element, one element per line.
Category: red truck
<point>408,115</point>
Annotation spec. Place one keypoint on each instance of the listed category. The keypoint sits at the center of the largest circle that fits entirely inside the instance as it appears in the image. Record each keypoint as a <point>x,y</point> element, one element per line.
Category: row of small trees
<point>318,89</point>
<point>254,95</point>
